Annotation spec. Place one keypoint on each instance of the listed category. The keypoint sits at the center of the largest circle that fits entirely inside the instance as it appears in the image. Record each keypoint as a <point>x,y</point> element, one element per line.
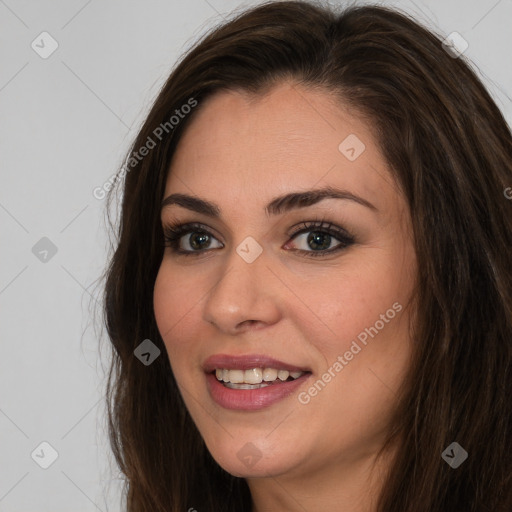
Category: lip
<point>250,399</point>
<point>248,362</point>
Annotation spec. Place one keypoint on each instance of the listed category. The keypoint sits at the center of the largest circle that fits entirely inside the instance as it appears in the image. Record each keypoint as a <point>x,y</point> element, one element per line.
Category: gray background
<point>66,122</point>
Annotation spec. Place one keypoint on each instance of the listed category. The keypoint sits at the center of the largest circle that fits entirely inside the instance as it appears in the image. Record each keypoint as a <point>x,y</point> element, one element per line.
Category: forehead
<point>254,148</point>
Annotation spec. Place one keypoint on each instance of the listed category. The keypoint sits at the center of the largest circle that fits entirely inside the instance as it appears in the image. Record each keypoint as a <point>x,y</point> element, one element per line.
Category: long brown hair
<point>450,150</point>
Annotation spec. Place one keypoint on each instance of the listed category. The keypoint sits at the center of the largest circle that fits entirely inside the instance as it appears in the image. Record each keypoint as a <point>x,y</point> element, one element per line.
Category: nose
<point>245,296</point>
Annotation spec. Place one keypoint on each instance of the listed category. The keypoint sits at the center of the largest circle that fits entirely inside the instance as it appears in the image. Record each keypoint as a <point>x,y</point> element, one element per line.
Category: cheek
<point>343,304</point>
<point>174,300</point>
<point>368,321</point>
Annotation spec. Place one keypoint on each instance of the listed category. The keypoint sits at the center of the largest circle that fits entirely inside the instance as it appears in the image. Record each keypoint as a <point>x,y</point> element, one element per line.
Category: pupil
<point>317,237</point>
<point>194,238</point>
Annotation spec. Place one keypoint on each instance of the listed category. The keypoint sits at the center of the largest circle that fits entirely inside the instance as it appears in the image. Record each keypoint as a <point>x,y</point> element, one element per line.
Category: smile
<point>255,378</point>
<point>251,382</point>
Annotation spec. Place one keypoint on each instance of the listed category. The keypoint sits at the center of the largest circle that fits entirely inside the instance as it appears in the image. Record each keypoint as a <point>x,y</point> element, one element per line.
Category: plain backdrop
<point>66,121</point>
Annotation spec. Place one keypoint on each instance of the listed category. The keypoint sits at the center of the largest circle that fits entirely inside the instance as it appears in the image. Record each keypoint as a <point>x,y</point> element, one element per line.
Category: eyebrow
<point>277,206</point>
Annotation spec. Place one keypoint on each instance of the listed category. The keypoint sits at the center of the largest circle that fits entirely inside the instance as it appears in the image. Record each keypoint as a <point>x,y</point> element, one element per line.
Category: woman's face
<point>255,300</point>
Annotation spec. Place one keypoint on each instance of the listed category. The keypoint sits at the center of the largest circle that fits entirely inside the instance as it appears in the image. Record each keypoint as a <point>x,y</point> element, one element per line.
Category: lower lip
<point>251,399</point>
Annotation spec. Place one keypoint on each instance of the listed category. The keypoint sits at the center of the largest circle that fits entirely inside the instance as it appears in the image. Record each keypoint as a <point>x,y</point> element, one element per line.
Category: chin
<point>254,459</point>
<point>265,467</point>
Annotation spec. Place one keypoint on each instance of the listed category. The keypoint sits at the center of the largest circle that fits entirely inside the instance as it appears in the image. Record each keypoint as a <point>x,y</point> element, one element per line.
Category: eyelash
<point>174,232</point>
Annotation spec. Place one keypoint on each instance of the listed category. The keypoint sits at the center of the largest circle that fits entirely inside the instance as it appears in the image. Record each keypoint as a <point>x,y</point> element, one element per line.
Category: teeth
<point>283,374</point>
<point>269,374</point>
<point>254,378</point>
<point>236,376</point>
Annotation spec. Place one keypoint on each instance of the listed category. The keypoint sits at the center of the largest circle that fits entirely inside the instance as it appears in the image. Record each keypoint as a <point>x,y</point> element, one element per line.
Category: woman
<point>310,299</point>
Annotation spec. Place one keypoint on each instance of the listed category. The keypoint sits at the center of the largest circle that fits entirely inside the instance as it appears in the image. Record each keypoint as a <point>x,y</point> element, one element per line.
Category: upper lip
<point>247,362</point>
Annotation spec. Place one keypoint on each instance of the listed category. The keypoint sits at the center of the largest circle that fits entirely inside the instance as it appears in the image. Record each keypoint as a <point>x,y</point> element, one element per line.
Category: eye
<point>318,242</point>
<point>198,238</point>
<point>320,236</point>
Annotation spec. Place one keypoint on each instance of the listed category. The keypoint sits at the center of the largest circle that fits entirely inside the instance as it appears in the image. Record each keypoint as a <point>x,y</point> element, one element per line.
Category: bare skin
<point>315,449</point>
